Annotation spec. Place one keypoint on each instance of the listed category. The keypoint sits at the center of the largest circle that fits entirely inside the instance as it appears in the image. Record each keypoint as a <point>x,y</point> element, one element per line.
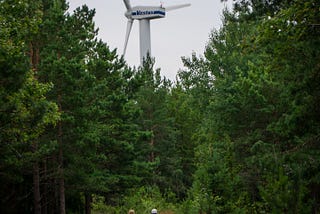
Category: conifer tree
<point>258,128</point>
<point>25,111</point>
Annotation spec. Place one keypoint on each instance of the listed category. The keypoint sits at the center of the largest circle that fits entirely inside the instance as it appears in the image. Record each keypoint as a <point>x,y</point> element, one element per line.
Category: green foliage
<point>160,146</point>
<point>262,68</point>
<point>97,126</point>
<point>25,111</point>
<point>30,113</point>
<point>142,200</point>
<point>280,194</point>
<point>237,133</point>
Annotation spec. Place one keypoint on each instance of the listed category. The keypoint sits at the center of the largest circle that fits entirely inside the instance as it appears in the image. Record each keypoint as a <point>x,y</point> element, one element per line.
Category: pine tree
<point>97,126</point>
<point>25,111</point>
<point>257,123</point>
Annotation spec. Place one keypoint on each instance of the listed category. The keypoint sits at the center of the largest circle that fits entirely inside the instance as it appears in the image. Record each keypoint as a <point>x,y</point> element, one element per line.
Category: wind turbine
<point>144,14</point>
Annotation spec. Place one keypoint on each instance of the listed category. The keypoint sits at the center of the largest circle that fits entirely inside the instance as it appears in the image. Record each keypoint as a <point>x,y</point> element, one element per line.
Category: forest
<point>238,131</point>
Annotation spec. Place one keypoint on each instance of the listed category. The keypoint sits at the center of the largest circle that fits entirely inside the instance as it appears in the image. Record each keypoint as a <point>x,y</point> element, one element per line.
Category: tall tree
<point>97,126</point>
<point>258,120</point>
<point>25,111</point>
<point>159,148</point>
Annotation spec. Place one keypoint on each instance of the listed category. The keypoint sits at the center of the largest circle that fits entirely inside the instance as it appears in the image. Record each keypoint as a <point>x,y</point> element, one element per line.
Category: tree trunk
<point>36,189</point>
<point>45,188</point>
<point>34,56</point>
<point>56,199</point>
<point>61,174</point>
<point>60,162</point>
<point>62,196</point>
<point>152,158</point>
<point>88,199</point>
<point>34,60</point>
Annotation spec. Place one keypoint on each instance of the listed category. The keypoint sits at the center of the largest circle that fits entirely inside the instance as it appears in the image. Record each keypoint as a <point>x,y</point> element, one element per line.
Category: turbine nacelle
<point>144,12</point>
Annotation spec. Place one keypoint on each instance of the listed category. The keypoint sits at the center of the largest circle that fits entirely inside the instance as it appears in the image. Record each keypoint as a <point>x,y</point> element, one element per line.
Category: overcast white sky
<point>179,34</point>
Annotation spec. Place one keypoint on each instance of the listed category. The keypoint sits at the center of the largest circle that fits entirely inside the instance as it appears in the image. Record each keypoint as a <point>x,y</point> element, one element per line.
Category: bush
<point>142,200</point>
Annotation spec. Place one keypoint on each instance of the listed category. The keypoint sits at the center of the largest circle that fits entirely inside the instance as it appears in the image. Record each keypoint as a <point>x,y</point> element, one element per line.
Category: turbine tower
<point>144,14</point>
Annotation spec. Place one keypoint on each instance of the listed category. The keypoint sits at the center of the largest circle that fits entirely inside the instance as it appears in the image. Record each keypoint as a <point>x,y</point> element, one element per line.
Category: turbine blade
<point>175,7</point>
<point>127,4</point>
<point>129,27</point>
